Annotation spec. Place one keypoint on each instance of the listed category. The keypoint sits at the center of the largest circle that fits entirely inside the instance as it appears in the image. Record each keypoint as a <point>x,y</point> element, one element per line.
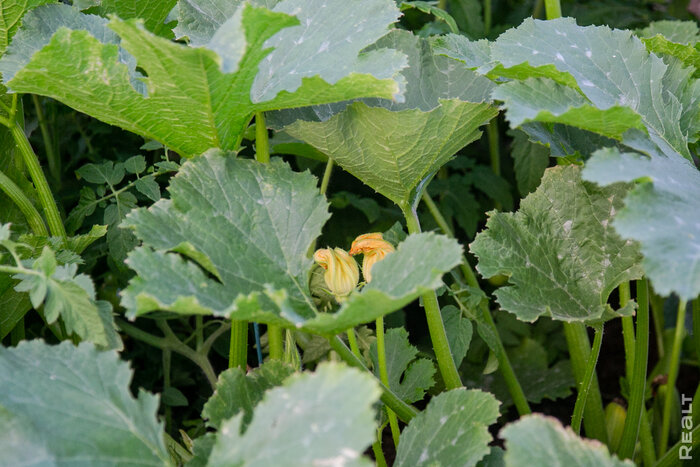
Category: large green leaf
<point>78,403</point>
<point>611,68</point>
<point>660,212</point>
<point>11,13</point>
<point>238,392</point>
<point>559,250</point>
<point>248,227</point>
<point>452,430</point>
<point>392,146</point>
<point>21,444</point>
<point>675,38</point>
<point>321,418</point>
<point>195,98</point>
<point>409,377</point>
<point>539,440</point>
<point>152,12</point>
<point>530,160</point>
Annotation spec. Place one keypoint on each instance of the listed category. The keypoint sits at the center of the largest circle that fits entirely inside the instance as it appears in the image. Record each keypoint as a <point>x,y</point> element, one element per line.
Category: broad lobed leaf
<point>247,228</point>
<point>559,250</point>
<point>660,212</point>
<point>195,98</point>
<point>319,418</point>
<point>75,402</point>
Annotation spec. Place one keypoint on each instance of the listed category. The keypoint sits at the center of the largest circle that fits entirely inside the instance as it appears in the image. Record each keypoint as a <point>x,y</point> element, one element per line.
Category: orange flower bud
<point>374,248</point>
<point>342,273</point>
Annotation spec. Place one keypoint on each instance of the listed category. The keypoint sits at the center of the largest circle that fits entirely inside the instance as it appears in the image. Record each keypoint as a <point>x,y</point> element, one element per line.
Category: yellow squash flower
<point>374,247</point>
<point>342,273</point>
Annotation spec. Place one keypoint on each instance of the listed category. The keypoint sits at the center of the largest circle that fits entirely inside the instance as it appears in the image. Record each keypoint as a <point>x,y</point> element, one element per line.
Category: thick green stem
<point>579,352</point>
<point>51,156</point>
<point>674,365</point>
<point>646,440</point>
<point>17,196</point>
<point>377,449</point>
<point>276,342</point>
<point>514,387</point>
<point>673,455</point>
<point>553,9</point>
<point>352,340</point>
<point>404,411</point>
<point>637,377</point>
<point>199,331</point>
<point>436,327</point>
<point>170,342</point>
<point>238,347</point>
<point>627,329</point>
<point>657,313</point>
<point>384,377</point>
<point>326,176</point>
<point>48,203</point>
<point>585,384</point>
<point>262,154</point>
<point>262,145</point>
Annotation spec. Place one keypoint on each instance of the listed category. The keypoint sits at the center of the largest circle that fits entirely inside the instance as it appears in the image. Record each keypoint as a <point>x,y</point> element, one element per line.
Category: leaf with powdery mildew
<point>320,418</point>
<point>559,250</point>
<point>232,241</point>
<point>195,98</point>
<point>238,392</point>
<point>78,402</point>
<point>540,440</point>
<point>393,146</point>
<point>660,212</point>
<point>452,430</point>
<point>612,68</point>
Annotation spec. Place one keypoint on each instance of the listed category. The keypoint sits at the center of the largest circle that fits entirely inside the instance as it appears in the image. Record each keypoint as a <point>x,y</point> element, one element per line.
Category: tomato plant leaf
<point>247,227</point>
<point>392,146</point>
<point>329,410</point>
<point>409,377</point>
<point>238,392</point>
<point>78,401</point>
<point>659,212</point>
<point>194,98</point>
<point>559,263</point>
<point>540,440</point>
<point>452,430</point>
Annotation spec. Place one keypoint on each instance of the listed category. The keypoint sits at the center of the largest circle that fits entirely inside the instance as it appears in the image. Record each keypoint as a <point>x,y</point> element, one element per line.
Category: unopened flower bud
<point>374,248</point>
<point>342,273</point>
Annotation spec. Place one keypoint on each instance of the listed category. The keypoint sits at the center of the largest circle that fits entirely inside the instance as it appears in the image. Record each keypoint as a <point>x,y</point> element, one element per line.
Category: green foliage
<point>409,377</point>
<point>539,440</point>
<point>659,212</point>
<point>330,410</point>
<point>76,405</point>
<point>453,430</point>
<point>237,392</point>
<point>225,229</point>
<point>559,263</point>
<point>530,161</point>
<point>396,145</point>
<point>185,100</point>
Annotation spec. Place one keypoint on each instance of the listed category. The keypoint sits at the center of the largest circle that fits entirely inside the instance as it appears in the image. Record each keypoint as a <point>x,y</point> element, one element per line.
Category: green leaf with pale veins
<point>544,100</point>
<point>452,430</point>
<point>393,146</point>
<point>11,13</point>
<point>72,297</point>
<point>660,212</point>
<point>676,38</point>
<point>530,160</point>
<point>195,98</point>
<point>152,12</point>
<point>238,392</point>
<point>320,418</point>
<point>540,440</point>
<point>559,250</point>
<point>459,332</point>
<point>409,377</point>
<point>247,227</point>
<point>611,68</point>
<point>79,405</point>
